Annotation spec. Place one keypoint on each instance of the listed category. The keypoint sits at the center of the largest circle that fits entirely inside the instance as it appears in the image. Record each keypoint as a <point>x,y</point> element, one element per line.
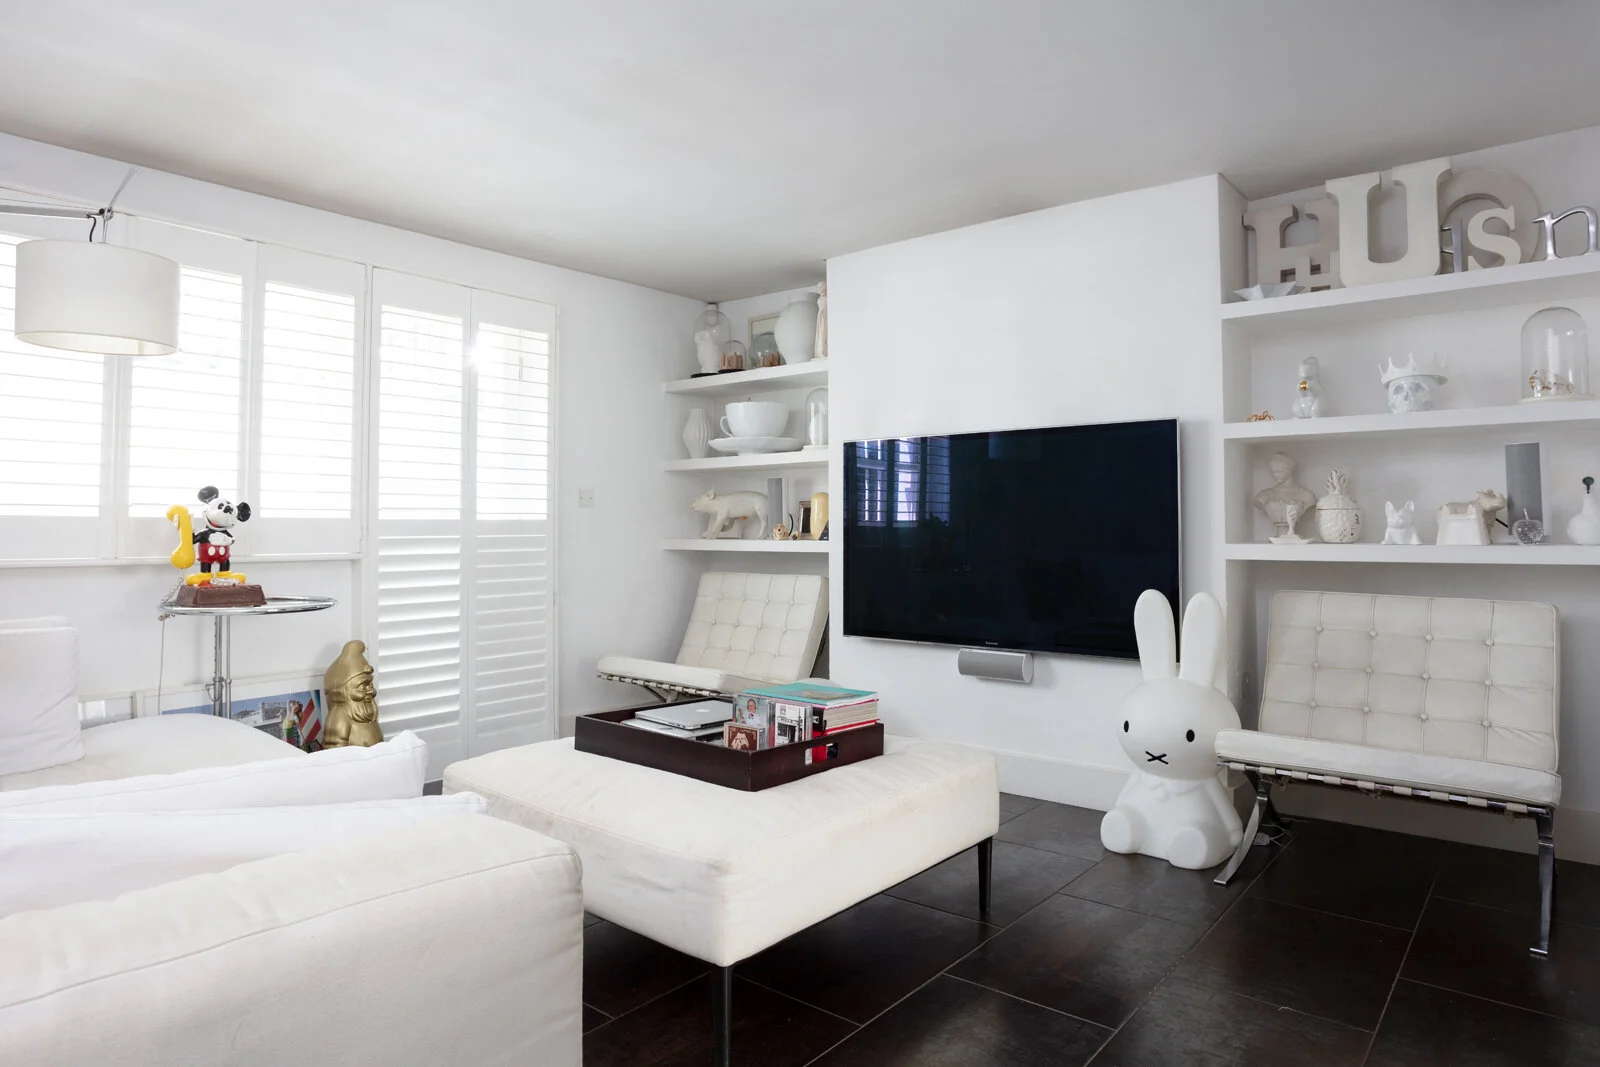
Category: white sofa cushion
<point>391,770</point>
<point>1417,770</point>
<point>157,744</point>
<point>722,874</point>
<point>38,697</point>
<point>455,941</point>
<point>50,860</point>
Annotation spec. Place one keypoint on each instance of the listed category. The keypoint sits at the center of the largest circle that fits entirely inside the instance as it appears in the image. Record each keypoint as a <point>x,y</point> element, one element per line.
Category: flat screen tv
<point>1036,540</point>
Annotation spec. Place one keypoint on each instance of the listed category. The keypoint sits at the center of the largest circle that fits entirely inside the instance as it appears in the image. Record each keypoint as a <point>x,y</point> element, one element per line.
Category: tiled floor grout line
<point>623,1015</point>
<point>1497,1003</point>
<point>1398,971</point>
<point>1339,915</point>
<point>1022,1000</point>
<point>797,1000</point>
<point>931,979</point>
<point>1278,852</point>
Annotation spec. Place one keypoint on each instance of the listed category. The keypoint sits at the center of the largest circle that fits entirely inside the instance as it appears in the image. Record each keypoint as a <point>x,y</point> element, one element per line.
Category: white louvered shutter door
<point>53,416</point>
<point>512,559</point>
<point>462,570</point>
<point>185,414</point>
<point>421,438</point>
<point>312,318</point>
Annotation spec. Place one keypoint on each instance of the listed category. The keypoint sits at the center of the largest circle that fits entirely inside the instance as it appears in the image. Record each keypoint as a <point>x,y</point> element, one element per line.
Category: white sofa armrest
<point>458,941</point>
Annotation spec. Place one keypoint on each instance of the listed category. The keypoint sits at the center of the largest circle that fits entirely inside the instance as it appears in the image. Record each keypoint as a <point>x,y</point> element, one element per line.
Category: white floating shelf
<point>770,461</point>
<point>1493,555</point>
<point>728,544</point>
<point>1551,280</point>
<point>1510,416</point>
<point>760,380</point>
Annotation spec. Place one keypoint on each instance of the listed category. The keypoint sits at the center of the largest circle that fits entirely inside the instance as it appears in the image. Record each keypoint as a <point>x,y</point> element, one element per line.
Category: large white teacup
<point>755,418</point>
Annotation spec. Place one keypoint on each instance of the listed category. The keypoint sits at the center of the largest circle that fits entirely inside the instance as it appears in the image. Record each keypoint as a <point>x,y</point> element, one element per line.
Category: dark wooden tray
<point>603,734</point>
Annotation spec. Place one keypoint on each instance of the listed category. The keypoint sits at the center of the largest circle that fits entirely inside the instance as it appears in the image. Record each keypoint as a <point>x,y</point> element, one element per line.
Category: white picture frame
<point>760,324</point>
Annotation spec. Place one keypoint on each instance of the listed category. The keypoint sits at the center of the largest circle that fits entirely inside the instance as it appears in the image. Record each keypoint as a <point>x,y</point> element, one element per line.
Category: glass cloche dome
<point>1555,356</point>
<point>712,330</point>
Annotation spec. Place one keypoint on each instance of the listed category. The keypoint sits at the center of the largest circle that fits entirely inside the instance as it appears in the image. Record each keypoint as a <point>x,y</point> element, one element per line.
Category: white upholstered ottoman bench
<point>722,874</point>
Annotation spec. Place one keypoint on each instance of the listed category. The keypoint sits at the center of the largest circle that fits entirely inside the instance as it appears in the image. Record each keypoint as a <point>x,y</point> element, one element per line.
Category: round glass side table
<point>221,687</point>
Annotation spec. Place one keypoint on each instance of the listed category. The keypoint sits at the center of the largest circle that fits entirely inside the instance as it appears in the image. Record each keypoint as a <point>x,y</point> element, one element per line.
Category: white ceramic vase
<point>1338,514</point>
<point>697,434</point>
<point>796,332</point>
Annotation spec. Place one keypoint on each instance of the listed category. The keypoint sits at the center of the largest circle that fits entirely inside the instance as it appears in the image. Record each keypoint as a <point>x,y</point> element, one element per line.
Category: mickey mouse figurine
<point>214,541</point>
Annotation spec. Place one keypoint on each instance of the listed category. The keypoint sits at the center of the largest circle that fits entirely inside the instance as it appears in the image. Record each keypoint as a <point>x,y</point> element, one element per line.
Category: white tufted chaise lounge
<point>744,630</point>
<point>1456,701</point>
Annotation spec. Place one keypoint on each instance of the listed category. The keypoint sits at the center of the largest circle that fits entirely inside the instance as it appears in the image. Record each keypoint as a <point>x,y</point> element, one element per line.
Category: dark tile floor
<point>1344,947</point>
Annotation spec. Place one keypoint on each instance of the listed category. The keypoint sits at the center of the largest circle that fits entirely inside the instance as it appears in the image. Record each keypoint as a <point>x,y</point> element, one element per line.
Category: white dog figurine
<point>726,509</point>
<point>1174,807</point>
<point>1402,524</point>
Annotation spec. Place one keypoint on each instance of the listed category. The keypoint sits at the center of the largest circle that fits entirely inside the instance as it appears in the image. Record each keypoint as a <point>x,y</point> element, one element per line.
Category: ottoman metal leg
<point>985,874</point>
<point>722,1016</point>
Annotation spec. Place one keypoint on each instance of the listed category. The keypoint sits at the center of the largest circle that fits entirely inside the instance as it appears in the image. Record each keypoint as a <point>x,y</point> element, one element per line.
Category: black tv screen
<point>1037,540</point>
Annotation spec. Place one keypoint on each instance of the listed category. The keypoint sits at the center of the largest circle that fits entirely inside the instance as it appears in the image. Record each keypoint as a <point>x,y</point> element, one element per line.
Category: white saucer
<point>747,446</point>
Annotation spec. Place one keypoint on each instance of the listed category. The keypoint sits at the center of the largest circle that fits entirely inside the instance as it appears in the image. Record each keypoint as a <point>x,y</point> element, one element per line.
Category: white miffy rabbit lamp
<point>1174,806</point>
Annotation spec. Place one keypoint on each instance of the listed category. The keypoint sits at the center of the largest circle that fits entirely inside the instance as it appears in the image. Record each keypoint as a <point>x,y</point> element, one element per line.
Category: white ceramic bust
<point>1285,499</point>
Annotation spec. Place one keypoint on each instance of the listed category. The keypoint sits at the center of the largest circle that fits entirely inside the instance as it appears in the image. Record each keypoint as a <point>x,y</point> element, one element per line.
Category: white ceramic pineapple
<point>1338,514</point>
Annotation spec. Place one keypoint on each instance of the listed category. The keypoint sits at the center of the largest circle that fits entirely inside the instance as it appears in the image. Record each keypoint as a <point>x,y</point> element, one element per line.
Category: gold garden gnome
<point>352,717</point>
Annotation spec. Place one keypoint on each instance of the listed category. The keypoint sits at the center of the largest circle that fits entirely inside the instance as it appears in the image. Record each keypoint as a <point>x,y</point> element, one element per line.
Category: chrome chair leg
<point>1547,881</point>
<point>1263,801</point>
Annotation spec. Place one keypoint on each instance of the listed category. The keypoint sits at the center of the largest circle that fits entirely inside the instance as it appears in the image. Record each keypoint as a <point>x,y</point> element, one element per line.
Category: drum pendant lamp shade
<point>89,297</point>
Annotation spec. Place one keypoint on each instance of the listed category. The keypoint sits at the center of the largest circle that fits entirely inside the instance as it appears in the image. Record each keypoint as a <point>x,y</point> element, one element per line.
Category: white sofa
<point>457,940</point>
<point>156,745</point>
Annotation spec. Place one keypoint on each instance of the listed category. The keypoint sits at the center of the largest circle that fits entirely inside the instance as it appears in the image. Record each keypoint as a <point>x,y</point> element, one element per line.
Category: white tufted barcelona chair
<point>1454,701</point>
<point>744,630</point>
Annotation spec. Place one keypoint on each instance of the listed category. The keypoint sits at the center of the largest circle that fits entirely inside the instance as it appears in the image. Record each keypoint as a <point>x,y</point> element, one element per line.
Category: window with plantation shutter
<point>52,434</point>
<point>461,575</point>
<point>302,476</point>
<point>184,418</point>
<point>50,417</point>
<point>308,355</point>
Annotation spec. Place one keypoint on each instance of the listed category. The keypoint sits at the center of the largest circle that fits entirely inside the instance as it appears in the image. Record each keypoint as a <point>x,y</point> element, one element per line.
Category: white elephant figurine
<point>1174,807</point>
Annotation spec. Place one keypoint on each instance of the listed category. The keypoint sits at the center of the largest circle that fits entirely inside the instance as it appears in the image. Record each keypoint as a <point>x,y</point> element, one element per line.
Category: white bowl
<point>755,418</point>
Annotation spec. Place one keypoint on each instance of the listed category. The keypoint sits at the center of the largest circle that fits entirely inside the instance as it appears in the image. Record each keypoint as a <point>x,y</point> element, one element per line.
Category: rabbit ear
<point>1202,639</point>
<point>1158,644</point>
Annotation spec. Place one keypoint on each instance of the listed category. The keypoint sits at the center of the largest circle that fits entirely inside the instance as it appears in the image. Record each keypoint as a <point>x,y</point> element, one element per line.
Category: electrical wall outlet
<point>586,498</point>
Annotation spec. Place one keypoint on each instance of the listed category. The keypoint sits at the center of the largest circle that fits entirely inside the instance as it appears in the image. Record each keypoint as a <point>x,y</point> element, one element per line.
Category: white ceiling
<point>723,148</point>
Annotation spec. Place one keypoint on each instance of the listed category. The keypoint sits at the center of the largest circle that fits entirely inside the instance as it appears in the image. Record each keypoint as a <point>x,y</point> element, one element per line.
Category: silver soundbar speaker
<point>994,663</point>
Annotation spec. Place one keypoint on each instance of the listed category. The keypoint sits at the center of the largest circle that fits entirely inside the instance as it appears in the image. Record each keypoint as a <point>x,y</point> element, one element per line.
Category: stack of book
<point>799,711</point>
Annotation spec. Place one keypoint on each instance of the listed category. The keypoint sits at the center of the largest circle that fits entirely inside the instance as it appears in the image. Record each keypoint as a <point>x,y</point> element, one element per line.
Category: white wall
<point>616,343</point>
<point>1100,311</point>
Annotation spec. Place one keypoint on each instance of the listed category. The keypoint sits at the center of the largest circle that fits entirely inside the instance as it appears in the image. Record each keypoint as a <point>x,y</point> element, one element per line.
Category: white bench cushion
<point>676,675</point>
<point>162,744</point>
<point>1472,680</point>
<point>1499,781</point>
<point>722,874</point>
